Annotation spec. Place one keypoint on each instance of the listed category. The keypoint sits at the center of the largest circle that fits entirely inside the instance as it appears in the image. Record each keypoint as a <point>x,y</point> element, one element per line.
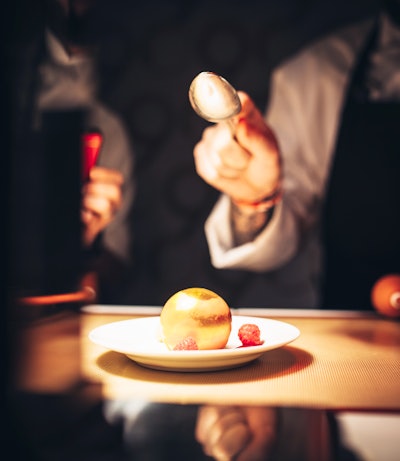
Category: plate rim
<point>198,354</point>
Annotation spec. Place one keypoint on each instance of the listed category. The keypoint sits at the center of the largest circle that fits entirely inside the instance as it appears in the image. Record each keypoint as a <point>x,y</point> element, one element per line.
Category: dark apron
<point>361,216</point>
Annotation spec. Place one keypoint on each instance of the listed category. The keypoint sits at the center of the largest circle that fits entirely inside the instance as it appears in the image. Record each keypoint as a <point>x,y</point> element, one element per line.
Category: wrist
<point>259,206</point>
<point>248,221</point>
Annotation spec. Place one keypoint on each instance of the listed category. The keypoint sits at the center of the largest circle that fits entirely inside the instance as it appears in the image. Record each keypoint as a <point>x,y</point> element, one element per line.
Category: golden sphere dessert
<point>197,314</point>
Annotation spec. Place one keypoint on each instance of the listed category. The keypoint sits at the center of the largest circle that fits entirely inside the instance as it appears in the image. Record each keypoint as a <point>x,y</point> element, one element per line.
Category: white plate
<point>140,340</point>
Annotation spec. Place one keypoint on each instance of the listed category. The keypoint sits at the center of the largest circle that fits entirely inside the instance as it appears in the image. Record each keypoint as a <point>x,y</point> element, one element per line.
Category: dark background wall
<point>150,52</point>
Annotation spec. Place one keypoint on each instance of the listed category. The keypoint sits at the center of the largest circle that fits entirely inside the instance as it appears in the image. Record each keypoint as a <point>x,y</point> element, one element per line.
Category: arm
<point>248,171</point>
<point>303,113</point>
<point>109,254</point>
<point>247,168</point>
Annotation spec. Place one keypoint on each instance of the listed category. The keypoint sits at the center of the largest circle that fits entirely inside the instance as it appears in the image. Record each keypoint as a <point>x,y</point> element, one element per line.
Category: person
<point>53,73</point>
<point>310,190</point>
<point>60,75</point>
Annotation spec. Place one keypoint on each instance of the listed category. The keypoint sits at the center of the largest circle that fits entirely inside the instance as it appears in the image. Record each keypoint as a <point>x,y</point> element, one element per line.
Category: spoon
<point>214,98</point>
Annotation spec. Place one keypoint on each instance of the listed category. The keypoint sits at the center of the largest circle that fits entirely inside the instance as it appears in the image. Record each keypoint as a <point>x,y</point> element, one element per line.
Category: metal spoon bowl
<point>213,98</point>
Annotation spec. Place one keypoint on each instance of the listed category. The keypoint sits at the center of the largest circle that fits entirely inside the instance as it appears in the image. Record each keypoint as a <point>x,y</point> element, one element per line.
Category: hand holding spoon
<point>214,98</point>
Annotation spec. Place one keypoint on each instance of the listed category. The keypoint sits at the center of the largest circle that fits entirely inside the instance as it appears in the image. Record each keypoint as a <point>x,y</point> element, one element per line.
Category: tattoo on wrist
<point>247,223</point>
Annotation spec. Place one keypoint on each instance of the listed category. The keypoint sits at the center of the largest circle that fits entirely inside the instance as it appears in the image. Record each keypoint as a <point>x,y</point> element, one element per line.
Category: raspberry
<point>249,334</point>
<point>186,344</point>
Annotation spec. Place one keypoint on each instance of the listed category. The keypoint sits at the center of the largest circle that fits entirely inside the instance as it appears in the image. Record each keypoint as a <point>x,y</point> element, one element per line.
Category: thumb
<point>249,111</point>
<point>252,131</point>
<point>256,137</point>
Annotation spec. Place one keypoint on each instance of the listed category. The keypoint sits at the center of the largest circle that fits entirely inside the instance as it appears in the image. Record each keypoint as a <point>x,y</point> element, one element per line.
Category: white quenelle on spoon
<point>214,99</point>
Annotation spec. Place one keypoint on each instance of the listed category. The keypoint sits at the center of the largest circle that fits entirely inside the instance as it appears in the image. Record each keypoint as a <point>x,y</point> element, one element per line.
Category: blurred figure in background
<point>313,187</point>
<point>58,73</point>
<point>53,79</point>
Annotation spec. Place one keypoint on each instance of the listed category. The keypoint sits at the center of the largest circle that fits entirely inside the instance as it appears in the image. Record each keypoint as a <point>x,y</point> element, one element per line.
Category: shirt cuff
<point>272,247</point>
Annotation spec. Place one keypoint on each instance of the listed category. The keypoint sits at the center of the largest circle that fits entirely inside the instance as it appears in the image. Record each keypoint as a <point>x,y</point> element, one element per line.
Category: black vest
<point>361,216</point>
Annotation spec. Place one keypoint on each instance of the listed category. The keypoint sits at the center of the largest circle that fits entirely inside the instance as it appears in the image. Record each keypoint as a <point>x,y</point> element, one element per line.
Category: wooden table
<point>341,361</point>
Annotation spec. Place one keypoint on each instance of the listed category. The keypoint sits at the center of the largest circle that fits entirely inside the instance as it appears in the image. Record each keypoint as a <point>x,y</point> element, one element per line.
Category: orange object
<point>86,294</point>
<point>385,295</point>
<point>91,145</point>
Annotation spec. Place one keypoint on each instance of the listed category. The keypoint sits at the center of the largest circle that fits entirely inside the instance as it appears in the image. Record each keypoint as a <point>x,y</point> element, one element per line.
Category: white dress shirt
<point>307,97</point>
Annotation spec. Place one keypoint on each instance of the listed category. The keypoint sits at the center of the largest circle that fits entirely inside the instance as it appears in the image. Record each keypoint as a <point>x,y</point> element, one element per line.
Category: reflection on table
<point>340,369</point>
